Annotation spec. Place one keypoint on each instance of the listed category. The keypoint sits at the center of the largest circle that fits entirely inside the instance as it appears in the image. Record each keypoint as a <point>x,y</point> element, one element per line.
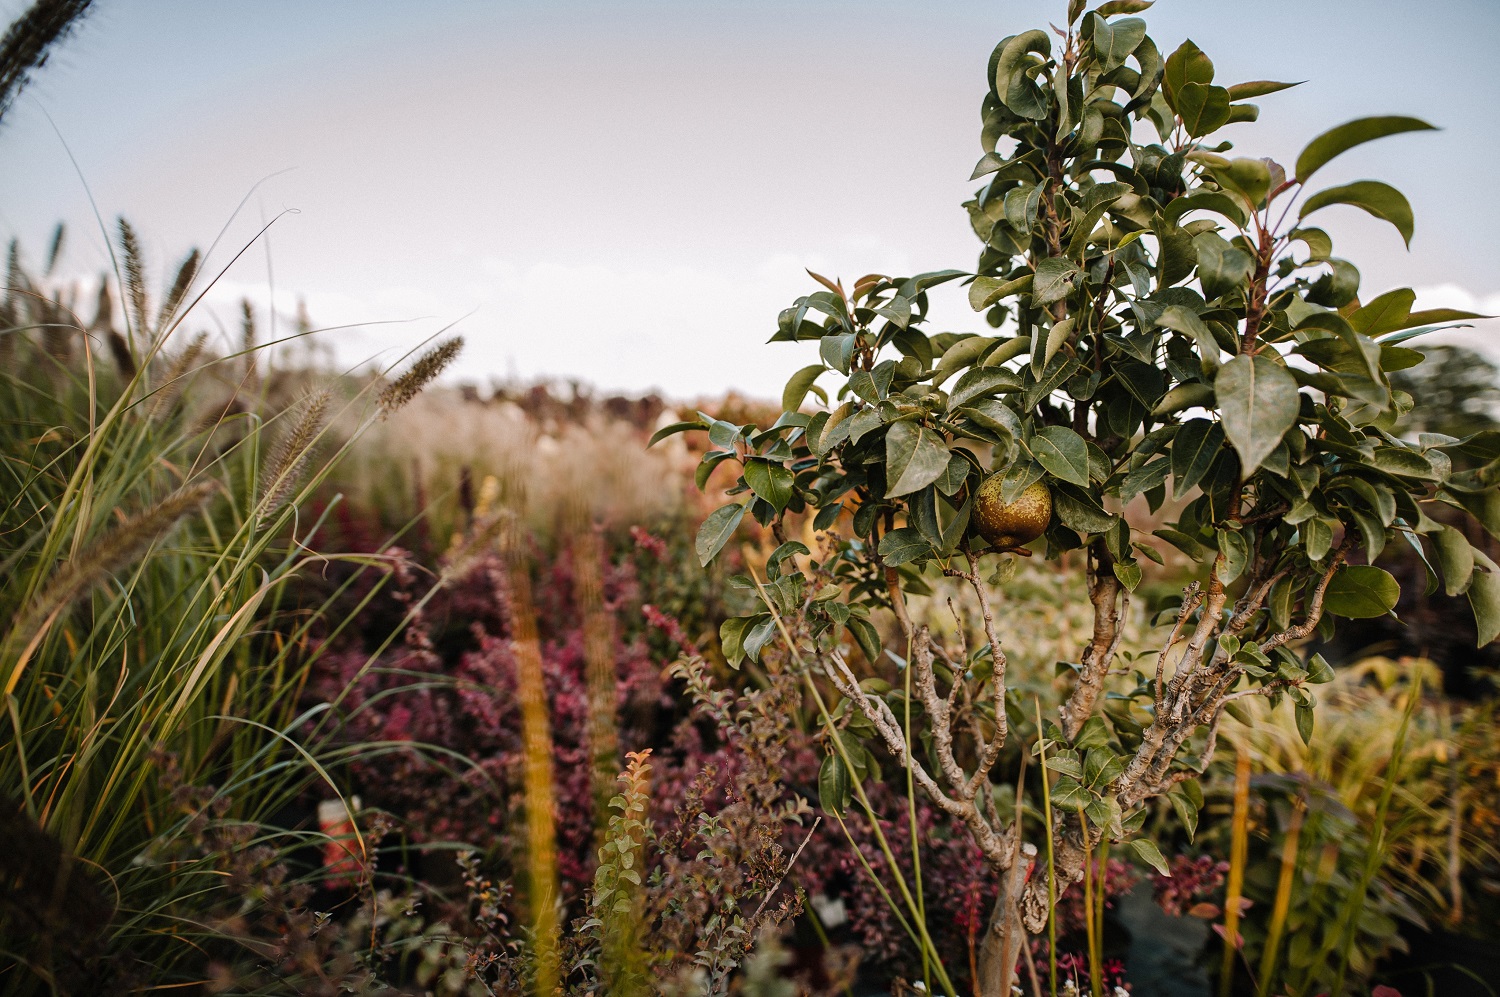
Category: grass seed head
<point>428,366</point>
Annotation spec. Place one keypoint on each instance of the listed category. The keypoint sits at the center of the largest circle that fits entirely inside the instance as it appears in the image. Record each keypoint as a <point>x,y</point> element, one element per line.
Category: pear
<point>1009,525</point>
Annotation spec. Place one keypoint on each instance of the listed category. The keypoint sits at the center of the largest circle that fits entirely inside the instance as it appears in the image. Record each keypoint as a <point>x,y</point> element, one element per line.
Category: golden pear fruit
<point>1008,526</point>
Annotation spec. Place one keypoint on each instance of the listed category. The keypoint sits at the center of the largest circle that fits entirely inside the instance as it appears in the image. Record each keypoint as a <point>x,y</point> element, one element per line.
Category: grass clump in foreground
<point>154,641</point>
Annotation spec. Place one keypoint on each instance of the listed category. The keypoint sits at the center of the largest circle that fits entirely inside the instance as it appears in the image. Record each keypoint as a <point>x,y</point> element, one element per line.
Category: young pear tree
<point>1168,324</point>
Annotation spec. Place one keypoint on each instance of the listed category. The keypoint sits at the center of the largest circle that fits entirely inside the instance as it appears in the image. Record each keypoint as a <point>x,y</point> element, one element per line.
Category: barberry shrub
<point>1168,323</point>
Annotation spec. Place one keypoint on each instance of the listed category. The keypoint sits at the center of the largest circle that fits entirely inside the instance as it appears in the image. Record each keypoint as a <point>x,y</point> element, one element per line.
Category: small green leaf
<point>985,291</point>
<point>1258,403</point>
<point>1221,267</point>
<point>1484,599</point>
<point>1236,551</point>
<point>1350,134</point>
<point>866,636</point>
<point>1258,88</point>
<point>902,545</point>
<point>1379,199</point>
<point>1455,557</point>
<point>1055,279</point>
<point>1304,715</point>
<point>1056,336</point>
<point>833,785</point>
<point>1129,574</point>
<point>1361,591</point>
<point>731,639</point>
<point>1204,108</point>
<point>1146,850</point>
<point>915,457</point>
<point>1186,65</point>
<point>772,482</point>
<point>797,388</point>
<point>1194,448</point>
<point>1319,671</point>
<point>716,531</point>
<point>1063,453</point>
<point>676,427</point>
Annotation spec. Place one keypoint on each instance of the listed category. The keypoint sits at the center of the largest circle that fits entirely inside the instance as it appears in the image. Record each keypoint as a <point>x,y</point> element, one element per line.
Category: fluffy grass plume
<point>133,262</point>
<point>293,453</point>
<point>428,366</point>
<point>28,41</point>
<point>115,550</point>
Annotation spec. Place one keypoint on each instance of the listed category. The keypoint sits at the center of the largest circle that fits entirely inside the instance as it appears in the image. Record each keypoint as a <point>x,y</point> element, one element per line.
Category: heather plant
<point>1166,318</point>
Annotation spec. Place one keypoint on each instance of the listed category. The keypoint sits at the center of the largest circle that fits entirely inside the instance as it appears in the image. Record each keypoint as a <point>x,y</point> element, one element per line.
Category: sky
<point>628,193</point>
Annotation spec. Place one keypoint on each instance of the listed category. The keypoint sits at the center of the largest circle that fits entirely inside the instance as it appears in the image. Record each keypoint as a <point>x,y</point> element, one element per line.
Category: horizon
<point>628,198</point>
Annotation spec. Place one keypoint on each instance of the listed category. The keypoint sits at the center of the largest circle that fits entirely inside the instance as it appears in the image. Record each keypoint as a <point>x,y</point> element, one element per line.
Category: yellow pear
<point>1009,525</point>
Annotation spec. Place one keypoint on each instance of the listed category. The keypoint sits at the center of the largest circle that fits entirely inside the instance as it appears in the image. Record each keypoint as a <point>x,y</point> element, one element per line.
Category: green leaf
<point>866,636</point>
<point>1067,794</point>
<point>1318,538</point>
<point>1455,557</point>
<point>1304,715</point>
<point>915,457</point>
<point>1258,403</point>
<point>1055,278</point>
<point>1194,448</point>
<point>676,427</point>
<point>1077,511</point>
<point>1319,671</point>
<point>1063,453</point>
<point>1151,474</point>
<point>1014,87</point>
<point>903,544</point>
<point>1360,592</point>
<point>1114,42</point>
<point>961,354</point>
<point>1186,65</point>
<point>1112,7</point>
<point>1236,551</point>
<point>1221,267</point>
<point>1185,808</point>
<point>1056,336</point>
<point>772,482</point>
<point>1194,394</point>
<point>731,639</point>
<point>1350,134</point>
<point>837,351</point>
<point>978,382</point>
<point>1129,573</point>
<point>985,291</point>
<point>1379,199</point>
<point>1146,850</point>
<point>1484,599</point>
<point>760,632</point>
<point>716,531</point>
<point>1251,178</point>
<point>833,785</point>
<point>1258,88</point>
<point>1204,108</point>
<point>797,388</point>
<point>1387,313</point>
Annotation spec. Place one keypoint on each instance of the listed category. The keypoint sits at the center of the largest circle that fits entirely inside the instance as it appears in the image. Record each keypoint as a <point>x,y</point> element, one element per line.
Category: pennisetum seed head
<point>293,453</point>
<point>135,276</point>
<point>178,290</point>
<point>427,367</point>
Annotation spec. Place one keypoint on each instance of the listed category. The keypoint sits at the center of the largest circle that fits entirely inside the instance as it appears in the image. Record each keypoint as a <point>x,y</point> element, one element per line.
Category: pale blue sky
<point>627,192</point>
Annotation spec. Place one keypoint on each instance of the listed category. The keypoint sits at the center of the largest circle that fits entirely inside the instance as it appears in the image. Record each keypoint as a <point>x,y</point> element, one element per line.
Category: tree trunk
<point>1001,948</point>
